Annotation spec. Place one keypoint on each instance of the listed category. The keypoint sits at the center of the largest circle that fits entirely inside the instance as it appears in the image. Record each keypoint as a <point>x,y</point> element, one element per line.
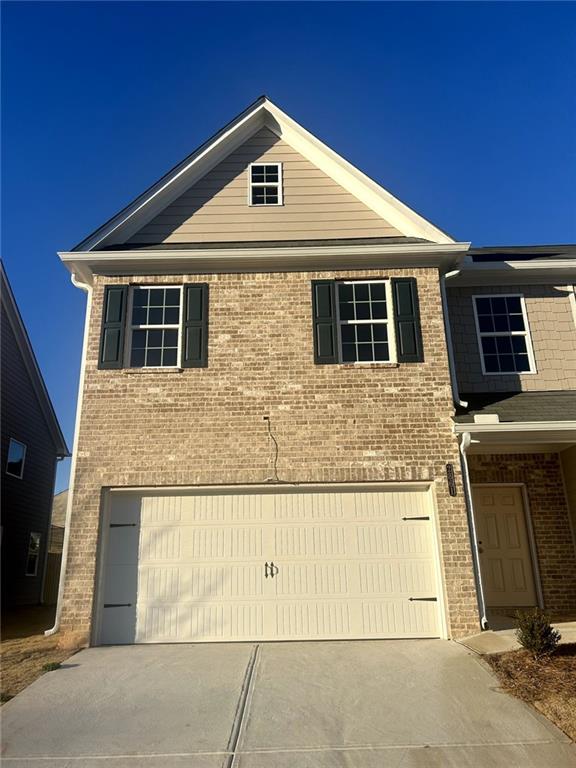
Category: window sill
<point>369,365</point>
<point>141,371</point>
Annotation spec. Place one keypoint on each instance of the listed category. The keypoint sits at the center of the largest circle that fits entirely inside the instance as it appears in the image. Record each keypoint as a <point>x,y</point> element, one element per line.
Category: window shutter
<point>113,326</point>
<point>324,313</point>
<point>407,320</point>
<point>195,326</point>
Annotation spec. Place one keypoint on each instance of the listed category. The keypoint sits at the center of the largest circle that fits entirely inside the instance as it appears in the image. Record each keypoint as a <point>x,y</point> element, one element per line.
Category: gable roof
<point>25,347</point>
<point>262,113</point>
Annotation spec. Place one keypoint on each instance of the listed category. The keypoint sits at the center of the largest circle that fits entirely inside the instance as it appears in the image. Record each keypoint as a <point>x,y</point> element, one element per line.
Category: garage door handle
<point>270,570</point>
<point>423,599</point>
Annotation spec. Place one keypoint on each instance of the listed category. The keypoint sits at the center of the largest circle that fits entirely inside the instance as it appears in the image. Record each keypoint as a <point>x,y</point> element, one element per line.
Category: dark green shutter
<point>324,313</point>
<point>113,325</point>
<point>195,326</point>
<point>407,320</point>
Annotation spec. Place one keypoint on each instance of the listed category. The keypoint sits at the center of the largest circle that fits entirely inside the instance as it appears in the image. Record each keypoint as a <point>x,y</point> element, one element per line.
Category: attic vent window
<point>265,184</point>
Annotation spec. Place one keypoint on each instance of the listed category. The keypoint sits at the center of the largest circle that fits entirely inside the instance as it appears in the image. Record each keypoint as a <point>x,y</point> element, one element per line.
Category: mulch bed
<point>549,684</point>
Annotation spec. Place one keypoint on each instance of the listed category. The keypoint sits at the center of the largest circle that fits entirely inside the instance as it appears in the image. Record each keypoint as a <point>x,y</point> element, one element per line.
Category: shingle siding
<point>26,502</point>
<point>553,332</point>
<point>333,424</point>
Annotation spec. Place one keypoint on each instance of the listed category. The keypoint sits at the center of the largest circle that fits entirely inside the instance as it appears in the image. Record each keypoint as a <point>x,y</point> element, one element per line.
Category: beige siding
<point>216,208</point>
<point>553,335</point>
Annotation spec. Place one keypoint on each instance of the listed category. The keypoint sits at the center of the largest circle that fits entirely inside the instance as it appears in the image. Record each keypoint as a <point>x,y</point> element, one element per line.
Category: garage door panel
<point>309,541</point>
<point>299,579</point>
<point>197,566</point>
<point>394,539</point>
<point>400,618</point>
<point>312,619</point>
<point>405,577</point>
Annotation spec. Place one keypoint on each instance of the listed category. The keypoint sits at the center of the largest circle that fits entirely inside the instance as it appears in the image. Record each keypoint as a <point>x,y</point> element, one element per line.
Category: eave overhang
<point>85,264</point>
<point>519,433</point>
<point>545,271</point>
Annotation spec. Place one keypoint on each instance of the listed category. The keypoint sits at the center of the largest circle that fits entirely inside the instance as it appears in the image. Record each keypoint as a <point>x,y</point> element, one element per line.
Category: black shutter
<point>407,320</point>
<point>113,325</point>
<point>324,313</point>
<point>195,326</point>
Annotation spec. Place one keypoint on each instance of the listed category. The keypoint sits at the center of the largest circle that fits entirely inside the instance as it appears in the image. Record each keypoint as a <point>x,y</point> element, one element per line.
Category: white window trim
<point>526,333</point>
<point>389,322</point>
<point>279,185</point>
<point>33,533</point>
<point>12,474</point>
<point>130,328</point>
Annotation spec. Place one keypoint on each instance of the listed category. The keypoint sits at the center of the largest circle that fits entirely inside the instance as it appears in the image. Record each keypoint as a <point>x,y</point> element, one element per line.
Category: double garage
<point>269,563</point>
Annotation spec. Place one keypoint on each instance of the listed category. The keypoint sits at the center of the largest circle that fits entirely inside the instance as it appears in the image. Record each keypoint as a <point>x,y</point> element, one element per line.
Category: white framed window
<point>154,327</point>
<point>33,557</point>
<point>503,334</point>
<point>365,321</point>
<point>16,458</point>
<point>265,184</point>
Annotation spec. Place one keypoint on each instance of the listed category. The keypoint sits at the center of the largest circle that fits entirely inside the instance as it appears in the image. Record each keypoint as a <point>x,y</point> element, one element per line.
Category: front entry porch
<point>525,536</point>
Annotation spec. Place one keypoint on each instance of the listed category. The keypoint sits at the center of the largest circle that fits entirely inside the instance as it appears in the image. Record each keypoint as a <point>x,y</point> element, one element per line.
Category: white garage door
<point>269,565</point>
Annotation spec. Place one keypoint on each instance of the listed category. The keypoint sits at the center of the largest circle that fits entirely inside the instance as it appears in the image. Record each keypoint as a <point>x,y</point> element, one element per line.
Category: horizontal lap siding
<point>216,209</point>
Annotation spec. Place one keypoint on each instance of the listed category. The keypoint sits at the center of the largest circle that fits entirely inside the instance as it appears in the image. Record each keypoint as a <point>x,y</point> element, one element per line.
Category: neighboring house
<point>513,322</point>
<point>55,547</point>
<point>32,443</point>
<point>265,444</point>
<point>58,525</point>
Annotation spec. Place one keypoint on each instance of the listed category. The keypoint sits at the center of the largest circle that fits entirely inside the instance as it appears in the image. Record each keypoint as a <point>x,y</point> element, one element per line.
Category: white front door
<point>270,565</point>
<point>505,558</point>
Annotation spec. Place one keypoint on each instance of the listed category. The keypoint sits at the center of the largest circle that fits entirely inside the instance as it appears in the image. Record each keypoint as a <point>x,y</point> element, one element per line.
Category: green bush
<point>536,634</point>
<point>51,666</point>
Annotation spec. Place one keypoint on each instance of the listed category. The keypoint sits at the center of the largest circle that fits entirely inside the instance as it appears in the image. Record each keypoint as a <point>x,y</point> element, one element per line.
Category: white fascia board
<point>142,210</point>
<point>395,212</point>
<point>504,428</point>
<point>550,271</point>
<point>273,259</point>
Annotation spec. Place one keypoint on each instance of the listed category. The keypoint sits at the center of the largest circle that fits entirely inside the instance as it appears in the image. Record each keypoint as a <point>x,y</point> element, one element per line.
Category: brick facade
<point>541,473</point>
<point>333,423</point>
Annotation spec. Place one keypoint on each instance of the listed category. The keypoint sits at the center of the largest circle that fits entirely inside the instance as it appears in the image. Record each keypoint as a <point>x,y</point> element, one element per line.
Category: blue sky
<point>467,112</point>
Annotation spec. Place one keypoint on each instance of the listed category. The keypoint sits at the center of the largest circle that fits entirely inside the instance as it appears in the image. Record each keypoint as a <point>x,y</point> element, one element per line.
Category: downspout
<point>465,441</point>
<point>88,288</point>
<point>464,445</point>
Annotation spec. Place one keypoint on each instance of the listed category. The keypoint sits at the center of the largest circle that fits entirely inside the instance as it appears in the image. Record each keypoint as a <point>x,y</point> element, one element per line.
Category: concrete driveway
<point>371,704</point>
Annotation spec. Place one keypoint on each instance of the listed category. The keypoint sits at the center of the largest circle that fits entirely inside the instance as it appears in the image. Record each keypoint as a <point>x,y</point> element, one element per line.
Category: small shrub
<point>536,634</point>
<point>51,666</point>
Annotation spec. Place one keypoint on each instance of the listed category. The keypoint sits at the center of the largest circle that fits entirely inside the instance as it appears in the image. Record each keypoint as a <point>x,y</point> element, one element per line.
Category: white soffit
<point>262,114</point>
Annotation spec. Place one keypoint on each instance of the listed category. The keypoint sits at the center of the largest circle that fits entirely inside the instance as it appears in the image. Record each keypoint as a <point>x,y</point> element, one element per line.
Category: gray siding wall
<point>553,333</point>
<point>26,503</point>
<point>216,208</point>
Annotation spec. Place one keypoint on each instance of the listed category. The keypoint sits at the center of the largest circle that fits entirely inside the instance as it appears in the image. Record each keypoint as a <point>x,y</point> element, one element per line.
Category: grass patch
<point>549,684</point>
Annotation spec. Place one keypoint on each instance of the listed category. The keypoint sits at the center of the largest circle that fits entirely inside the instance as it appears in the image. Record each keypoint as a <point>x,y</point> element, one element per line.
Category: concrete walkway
<point>502,640</point>
<point>371,704</point>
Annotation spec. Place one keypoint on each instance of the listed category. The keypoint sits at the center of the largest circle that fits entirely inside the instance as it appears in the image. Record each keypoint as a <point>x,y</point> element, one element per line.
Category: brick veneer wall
<point>551,324</point>
<point>333,423</point>
<point>541,473</point>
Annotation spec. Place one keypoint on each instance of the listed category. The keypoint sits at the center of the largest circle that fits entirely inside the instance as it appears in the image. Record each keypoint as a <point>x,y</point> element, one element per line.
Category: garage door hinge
<point>424,599</point>
<point>122,525</point>
<point>415,518</point>
<point>122,605</point>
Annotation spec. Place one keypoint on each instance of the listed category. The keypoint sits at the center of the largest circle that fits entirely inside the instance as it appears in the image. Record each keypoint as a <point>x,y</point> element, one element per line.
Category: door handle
<point>270,570</point>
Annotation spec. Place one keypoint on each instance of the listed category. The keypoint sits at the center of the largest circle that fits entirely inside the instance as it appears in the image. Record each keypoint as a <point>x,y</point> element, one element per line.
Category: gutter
<point>515,426</point>
<point>465,441</point>
<point>85,287</point>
